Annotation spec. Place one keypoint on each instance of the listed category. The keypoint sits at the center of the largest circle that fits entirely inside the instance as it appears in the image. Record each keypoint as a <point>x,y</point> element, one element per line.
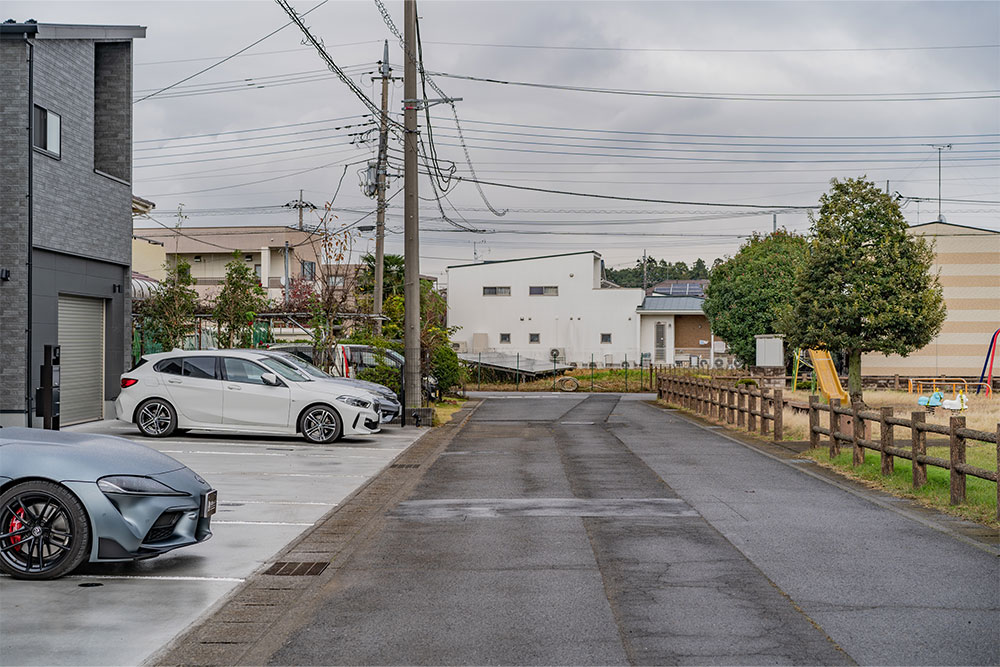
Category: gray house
<point>65,213</point>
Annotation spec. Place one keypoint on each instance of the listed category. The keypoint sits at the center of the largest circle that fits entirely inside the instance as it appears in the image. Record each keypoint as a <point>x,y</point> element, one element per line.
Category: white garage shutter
<point>81,339</point>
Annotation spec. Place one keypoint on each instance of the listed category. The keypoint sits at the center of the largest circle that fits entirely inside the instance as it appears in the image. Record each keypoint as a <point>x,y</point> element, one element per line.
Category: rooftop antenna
<point>940,148</point>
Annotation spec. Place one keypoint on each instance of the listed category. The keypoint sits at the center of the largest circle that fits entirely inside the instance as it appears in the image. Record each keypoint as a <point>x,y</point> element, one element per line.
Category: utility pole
<point>643,269</point>
<point>300,210</point>
<point>774,223</point>
<point>940,148</point>
<point>411,239</point>
<point>383,140</point>
<point>286,270</point>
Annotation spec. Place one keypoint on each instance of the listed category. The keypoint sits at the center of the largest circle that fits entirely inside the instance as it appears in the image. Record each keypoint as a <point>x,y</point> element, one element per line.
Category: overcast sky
<point>279,108</point>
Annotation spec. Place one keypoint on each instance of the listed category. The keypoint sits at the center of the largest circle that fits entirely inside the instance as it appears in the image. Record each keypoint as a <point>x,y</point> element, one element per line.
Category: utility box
<point>770,350</point>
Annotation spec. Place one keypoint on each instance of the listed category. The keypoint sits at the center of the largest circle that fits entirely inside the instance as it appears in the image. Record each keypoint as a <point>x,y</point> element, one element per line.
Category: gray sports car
<point>70,497</point>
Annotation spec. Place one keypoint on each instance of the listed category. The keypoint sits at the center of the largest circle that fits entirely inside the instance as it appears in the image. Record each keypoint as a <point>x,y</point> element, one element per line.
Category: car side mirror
<point>270,379</point>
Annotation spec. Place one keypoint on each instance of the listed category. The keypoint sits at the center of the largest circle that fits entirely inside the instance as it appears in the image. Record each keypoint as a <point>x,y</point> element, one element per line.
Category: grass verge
<point>980,496</point>
<point>445,409</point>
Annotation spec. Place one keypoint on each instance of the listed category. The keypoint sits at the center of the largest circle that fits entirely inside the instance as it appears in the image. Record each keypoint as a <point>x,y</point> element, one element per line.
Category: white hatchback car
<point>239,390</point>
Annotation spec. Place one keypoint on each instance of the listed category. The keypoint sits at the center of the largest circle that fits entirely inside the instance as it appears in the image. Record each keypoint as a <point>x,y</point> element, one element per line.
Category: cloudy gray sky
<point>858,88</point>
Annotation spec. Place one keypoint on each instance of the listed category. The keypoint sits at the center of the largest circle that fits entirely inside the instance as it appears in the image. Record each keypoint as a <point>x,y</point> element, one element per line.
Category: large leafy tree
<point>238,302</point>
<point>748,292</point>
<point>167,315</point>
<point>866,284</point>
<point>392,275</point>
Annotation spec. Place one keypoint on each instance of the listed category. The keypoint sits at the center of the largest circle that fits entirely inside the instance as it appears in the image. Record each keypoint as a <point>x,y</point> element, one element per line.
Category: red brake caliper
<point>16,525</point>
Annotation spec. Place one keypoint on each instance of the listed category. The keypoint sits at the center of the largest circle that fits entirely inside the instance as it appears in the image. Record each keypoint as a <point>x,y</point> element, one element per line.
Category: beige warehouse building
<point>968,262</point>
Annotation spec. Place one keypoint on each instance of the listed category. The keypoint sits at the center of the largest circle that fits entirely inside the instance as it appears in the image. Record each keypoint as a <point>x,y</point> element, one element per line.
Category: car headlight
<point>355,401</point>
<point>133,485</point>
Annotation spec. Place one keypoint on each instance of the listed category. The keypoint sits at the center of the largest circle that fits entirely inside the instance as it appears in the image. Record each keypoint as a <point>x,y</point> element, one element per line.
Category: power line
<point>247,55</point>
<point>639,199</point>
<point>745,97</point>
<point>248,148</point>
<point>318,46</point>
<point>239,157</point>
<point>227,58</point>
<point>253,129</point>
<point>265,136</point>
<point>263,180</point>
<point>728,136</point>
<point>675,158</point>
<point>681,50</point>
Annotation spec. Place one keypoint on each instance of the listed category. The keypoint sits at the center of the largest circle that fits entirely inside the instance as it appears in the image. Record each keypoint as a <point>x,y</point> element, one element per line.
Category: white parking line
<point>235,580</point>
<point>259,523</point>
<point>279,474</point>
<point>230,503</point>
<point>296,454</point>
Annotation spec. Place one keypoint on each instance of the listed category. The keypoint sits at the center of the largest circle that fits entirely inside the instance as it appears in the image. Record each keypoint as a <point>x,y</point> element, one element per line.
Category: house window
<point>335,281</point>
<point>309,270</point>
<point>534,338</point>
<point>546,290</point>
<point>496,291</point>
<point>47,131</point>
<point>505,338</point>
<point>605,338</point>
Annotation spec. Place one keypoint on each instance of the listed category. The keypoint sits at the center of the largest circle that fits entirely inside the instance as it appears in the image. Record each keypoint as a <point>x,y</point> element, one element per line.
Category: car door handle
<point>174,382</point>
<point>234,387</point>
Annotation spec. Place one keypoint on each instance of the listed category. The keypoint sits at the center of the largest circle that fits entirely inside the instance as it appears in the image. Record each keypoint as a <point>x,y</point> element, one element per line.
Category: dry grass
<point>983,413</point>
<point>445,409</point>
<point>604,380</point>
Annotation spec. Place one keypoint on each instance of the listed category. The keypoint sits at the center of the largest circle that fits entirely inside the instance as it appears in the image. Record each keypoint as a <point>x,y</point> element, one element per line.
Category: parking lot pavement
<point>271,489</point>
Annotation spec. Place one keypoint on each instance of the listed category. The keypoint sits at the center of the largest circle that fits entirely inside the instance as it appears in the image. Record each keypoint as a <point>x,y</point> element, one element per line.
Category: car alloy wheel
<point>320,424</point>
<point>44,531</point>
<point>156,418</point>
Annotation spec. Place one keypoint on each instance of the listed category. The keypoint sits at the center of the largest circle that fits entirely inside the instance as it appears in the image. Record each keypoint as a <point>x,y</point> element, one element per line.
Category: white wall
<point>574,320</point>
<point>647,335</point>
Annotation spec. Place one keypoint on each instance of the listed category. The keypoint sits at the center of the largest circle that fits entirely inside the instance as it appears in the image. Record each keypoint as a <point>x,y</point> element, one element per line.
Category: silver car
<point>66,498</point>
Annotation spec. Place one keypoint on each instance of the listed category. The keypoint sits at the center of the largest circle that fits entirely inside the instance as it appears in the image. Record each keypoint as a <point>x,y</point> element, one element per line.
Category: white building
<point>537,305</point>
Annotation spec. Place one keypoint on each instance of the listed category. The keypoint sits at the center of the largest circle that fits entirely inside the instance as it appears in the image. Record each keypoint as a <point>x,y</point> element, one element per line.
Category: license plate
<point>209,503</point>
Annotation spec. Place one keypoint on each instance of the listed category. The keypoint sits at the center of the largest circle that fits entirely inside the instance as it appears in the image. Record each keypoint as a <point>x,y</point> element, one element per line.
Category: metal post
<point>411,221</point>
<point>591,373</point>
<point>380,213</point>
<point>626,373</point>
<point>517,372</point>
<point>479,373</point>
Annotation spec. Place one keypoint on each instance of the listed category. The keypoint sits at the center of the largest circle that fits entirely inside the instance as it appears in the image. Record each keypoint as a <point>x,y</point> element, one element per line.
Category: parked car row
<point>253,391</point>
<point>67,498</point>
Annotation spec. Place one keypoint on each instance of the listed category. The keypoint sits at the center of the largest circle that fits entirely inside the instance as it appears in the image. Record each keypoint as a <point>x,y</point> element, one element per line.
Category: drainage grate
<point>405,465</point>
<point>285,569</point>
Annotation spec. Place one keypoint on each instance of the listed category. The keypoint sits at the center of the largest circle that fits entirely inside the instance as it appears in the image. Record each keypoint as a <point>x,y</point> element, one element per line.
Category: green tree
<point>866,284</point>
<point>167,316</point>
<point>392,275</point>
<point>748,293</point>
<point>238,302</point>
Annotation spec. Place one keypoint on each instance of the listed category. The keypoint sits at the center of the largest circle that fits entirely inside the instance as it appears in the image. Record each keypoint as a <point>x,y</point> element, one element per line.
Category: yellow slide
<point>826,374</point>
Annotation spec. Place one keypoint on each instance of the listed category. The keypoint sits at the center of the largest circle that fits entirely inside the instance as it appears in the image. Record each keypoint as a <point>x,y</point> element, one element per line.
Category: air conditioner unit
<point>460,346</point>
<point>557,354</point>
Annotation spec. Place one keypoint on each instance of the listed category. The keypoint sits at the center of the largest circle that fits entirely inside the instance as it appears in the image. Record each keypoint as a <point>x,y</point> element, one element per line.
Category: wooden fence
<point>761,411</point>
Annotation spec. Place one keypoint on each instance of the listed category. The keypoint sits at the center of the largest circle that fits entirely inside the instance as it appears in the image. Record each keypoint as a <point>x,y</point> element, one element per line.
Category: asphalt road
<point>271,489</point>
<point>594,530</point>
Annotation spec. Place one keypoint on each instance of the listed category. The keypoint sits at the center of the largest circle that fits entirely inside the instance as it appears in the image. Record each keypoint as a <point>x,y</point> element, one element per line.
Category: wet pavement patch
<point>548,507</point>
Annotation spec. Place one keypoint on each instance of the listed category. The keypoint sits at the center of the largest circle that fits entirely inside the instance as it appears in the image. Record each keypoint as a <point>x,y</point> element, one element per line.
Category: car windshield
<point>302,365</point>
<point>285,370</point>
